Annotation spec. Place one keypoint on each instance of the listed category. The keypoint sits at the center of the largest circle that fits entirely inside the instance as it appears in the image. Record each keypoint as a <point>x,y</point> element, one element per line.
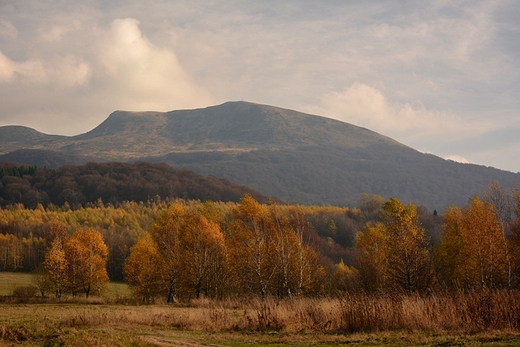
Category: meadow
<point>488,318</point>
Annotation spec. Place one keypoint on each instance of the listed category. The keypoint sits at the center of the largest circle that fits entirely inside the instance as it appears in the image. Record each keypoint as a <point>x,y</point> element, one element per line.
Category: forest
<point>180,249</point>
<point>112,183</point>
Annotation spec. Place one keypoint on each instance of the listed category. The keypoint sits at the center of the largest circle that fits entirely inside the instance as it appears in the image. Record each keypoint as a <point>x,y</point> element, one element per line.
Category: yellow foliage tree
<point>394,254</point>
<point>472,253</point>
<point>409,257</point>
<point>55,267</point>
<point>251,248</point>
<point>267,255</point>
<point>165,233</point>
<point>201,256</point>
<point>344,278</point>
<point>144,269</point>
<point>371,257</point>
<point>87,254</point>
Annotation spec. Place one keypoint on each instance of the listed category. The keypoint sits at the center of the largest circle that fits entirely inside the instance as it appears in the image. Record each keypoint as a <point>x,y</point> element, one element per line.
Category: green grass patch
<point>10,280</point>
<point>118,290</point>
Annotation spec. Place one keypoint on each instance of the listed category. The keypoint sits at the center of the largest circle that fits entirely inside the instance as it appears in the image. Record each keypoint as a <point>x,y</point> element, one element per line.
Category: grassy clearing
<point>10,280</point>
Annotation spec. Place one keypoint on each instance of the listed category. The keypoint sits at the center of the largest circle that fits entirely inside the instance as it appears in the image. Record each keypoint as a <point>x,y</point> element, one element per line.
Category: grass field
<point>161,325</point>
<point>478,319</point>
<point>10,280</point>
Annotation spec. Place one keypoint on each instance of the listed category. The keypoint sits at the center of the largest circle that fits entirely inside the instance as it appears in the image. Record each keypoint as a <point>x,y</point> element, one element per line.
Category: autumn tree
<point>201,256</point>
<point>86,254</point>
<point>251,248</point>
<point>472,254</point>
<point>409,256</point>
<point>344,277</point>
<point>165,233</point>
<point>371,257</point>
<point>144,269</point>
<point>11,255</point>
<point>502,203</point>
<point>267,253</point>
<point>395,254</point>
<point>309,272</point>
<point>55,266</point>
<point>453,254</point>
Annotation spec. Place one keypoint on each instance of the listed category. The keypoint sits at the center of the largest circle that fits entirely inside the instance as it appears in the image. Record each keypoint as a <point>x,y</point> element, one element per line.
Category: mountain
<point>297,157</point>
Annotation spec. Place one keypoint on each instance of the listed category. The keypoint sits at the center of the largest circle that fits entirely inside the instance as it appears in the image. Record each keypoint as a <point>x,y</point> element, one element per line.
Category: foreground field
<point>301,322</point>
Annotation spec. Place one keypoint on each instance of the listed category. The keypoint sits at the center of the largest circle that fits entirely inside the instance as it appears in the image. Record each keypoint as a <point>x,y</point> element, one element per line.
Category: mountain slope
<point>294,156</point>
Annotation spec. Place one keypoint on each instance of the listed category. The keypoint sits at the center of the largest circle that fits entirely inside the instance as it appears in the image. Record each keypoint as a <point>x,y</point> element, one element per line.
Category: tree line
<point>26,234</point>
<point>479,247</point>
<point>187,249</point>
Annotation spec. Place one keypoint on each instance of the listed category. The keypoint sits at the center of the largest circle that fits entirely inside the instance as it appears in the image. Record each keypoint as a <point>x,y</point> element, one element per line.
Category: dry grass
<point>443,316</point>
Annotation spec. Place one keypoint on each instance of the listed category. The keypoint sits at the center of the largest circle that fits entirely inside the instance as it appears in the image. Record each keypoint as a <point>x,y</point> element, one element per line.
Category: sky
<point>440,76</point>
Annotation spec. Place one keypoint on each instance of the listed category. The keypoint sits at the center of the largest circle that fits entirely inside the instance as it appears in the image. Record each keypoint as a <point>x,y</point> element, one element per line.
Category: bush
<point>25,291</point>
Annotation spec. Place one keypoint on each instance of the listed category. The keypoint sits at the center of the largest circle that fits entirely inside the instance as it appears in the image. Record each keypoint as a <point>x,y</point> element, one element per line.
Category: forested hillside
<point>111,183</point>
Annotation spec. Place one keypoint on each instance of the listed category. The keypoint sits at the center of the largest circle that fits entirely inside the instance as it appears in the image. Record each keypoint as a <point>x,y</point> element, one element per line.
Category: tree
<point>395,253</point>
<point>55,265</point>
<point>409,257</point>
<point>87,254</point>
<point>452,255</point>
<point>250,248</point>
<point>502,203</point>
<point>344,278</point>
<point>371,257</point>
<point>41,279</point>
<point>267,254</point>
<point>144,269</point>
<point>472,254</point>
<point>201,256</point>
<point>165,233</point>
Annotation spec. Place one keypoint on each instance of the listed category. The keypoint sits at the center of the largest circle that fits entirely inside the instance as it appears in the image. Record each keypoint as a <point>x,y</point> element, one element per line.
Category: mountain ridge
<point>295,156</point>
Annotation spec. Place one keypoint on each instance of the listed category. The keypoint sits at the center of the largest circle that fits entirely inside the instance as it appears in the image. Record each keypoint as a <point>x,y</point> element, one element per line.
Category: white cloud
<point>105,68</point>
<point>146,76</point>
<point>32,70</point>
<point>367,106</point>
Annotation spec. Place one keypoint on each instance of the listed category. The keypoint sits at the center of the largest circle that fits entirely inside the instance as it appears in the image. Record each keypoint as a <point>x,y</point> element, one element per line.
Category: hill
<point>295,156</point>
<point>112,183</point>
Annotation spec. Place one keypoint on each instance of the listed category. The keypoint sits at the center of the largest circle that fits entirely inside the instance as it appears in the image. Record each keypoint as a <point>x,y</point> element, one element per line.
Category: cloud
<point>368,106</point>
<point>72,78</point>
<point>147,76</point>
<point>8,30</point>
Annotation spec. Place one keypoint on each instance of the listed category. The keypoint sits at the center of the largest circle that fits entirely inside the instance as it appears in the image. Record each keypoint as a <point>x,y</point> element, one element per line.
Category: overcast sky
<point>440,76</point>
